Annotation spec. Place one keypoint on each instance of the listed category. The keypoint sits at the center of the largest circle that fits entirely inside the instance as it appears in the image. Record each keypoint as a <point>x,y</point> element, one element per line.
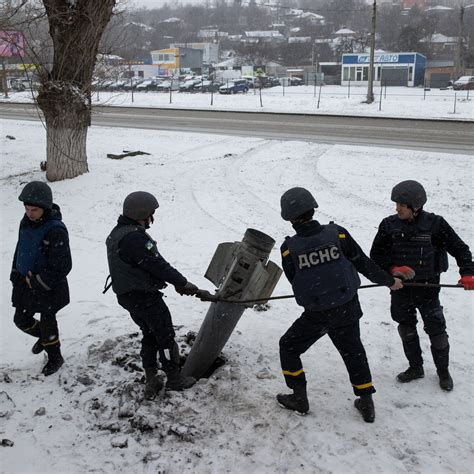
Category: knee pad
<point>440,341</point>
<point>407,333</point>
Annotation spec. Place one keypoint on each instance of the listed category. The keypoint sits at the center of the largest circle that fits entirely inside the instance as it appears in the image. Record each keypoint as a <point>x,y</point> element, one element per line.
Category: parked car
<point>464,83</point>
<point>207,86</point>
<point>165,86</point>
<point>250,80</point>
<point>147,85</point>
<point>291,81</point>
<point>23,84</point>
<point>133,83</point>
<point>233,87</point>
<point>189,86</point>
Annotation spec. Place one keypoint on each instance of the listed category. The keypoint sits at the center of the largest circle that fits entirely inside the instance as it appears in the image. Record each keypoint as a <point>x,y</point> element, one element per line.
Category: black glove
<point>204,295</point>
<point>188,289</point>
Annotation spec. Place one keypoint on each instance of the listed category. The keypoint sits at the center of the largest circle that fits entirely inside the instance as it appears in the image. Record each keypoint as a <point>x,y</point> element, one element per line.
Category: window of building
<point>410,73</point>
<point>359,73</point>
<point>345,73</point>
<point>365,72</point>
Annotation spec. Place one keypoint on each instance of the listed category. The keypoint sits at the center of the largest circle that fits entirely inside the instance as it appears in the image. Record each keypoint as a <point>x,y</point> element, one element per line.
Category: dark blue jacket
<point>351,252</point>
<point>42,249</point>
<point>324,277</point>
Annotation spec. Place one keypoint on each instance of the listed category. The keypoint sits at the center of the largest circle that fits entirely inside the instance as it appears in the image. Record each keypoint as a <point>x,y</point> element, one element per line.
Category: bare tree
<point>75,28</point>
<point>65,60</point>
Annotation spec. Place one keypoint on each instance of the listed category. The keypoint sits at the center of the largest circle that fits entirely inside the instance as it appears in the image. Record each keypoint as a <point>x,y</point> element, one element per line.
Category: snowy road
<point>429,135</point>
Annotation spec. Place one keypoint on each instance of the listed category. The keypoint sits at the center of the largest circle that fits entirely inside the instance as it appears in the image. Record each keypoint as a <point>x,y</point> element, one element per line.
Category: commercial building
<point>390,69</point>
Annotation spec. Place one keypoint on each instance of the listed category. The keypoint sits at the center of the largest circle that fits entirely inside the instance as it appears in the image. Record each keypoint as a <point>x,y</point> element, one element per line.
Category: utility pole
<point>4,78</point>
<point>458,67</point>
<point>370,89</point>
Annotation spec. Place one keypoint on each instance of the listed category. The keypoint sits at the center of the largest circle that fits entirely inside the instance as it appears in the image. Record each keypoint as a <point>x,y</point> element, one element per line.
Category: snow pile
<point>91,415</point>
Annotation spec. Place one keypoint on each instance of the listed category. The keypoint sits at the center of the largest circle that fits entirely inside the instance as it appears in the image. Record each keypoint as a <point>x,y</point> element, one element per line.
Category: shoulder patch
<point>149,245</point>
<point>285,253</point>
<point>342,236</point>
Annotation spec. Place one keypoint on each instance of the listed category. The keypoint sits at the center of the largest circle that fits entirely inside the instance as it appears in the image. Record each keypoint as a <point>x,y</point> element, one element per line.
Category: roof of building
<point>432,63</point>
<point>439,38</point>
<point>344,31</point>
<point>263,34</point>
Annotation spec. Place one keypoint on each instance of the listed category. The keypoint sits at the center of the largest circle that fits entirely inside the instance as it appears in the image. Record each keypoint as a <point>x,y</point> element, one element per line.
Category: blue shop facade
<point>390,69</point>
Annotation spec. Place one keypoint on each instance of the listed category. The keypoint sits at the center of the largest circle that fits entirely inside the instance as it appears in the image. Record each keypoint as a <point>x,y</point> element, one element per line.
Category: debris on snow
<point>125,154</point>
<point>119,442</point>
<point>7,405</point>
<point>40,411</point>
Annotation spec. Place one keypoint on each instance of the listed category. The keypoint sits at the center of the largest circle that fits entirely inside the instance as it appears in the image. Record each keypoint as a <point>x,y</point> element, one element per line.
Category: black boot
<point>154,383</point>
<point>445,380</point>
<point>365,405</point>
<point>38,347</point>
<point>412,373</point>
<point>177,381</point>
<point>53,365</point>
<point>55,360</point>
<point>297,401</point>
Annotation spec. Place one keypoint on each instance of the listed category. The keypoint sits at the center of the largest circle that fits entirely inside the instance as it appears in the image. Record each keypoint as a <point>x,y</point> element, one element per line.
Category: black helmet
<point>295,202</point>
<point>139,205</point>
<point>37,193</point>
<point>411,193</point>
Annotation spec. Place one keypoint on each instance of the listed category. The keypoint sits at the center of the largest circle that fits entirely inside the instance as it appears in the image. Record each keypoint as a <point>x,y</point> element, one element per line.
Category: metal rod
<point>408,284</point>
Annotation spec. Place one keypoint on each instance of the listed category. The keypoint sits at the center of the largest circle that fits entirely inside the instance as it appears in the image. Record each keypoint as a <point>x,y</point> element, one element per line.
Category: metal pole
<point>349,88</point>
<point>283,297</point>
<point>370,89</point>
<point>5,81</point>
<point>454,111</point>
<point>319,96</point>
<point>131,79</point>
<point>380,100</point>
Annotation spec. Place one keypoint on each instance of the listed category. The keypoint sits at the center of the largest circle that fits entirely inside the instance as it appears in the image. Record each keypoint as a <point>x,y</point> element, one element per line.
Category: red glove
<point>405,273</point>
<point>467,281</point>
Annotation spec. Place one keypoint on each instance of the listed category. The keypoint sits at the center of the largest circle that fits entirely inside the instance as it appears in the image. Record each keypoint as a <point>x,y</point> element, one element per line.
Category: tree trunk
<point>75,28</point>
<point>66,152</point>
<point>67,120</point>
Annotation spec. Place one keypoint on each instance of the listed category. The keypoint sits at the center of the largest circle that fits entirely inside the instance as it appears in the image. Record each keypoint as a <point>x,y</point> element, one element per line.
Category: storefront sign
<point>378,58</point>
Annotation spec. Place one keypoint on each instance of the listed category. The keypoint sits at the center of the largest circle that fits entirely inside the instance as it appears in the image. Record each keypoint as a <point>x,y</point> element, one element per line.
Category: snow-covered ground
<point>407,102</point>
<point>211,188</point>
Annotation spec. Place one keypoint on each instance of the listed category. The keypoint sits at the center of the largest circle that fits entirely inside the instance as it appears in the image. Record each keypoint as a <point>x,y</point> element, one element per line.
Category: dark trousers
<point>342,326</point>
<point>156,325</point>
<point>403,308</point>
<point>46,328</point>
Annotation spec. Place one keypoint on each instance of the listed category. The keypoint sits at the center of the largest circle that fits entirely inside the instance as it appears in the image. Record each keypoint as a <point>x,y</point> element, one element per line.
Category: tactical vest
<point>32,253</point>
<point>412,246</point>
<point>126,277</point>
<point>324,277</point>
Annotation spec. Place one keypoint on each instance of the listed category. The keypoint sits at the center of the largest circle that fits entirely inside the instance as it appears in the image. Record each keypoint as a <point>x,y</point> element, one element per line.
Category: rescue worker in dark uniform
<point>413,244</point>
<point>139,273</point>
<point>322,264</point>
<point>41,263</point>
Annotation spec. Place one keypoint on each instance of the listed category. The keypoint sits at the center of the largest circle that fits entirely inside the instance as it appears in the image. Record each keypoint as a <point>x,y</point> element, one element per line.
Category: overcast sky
<point>159,3</point>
